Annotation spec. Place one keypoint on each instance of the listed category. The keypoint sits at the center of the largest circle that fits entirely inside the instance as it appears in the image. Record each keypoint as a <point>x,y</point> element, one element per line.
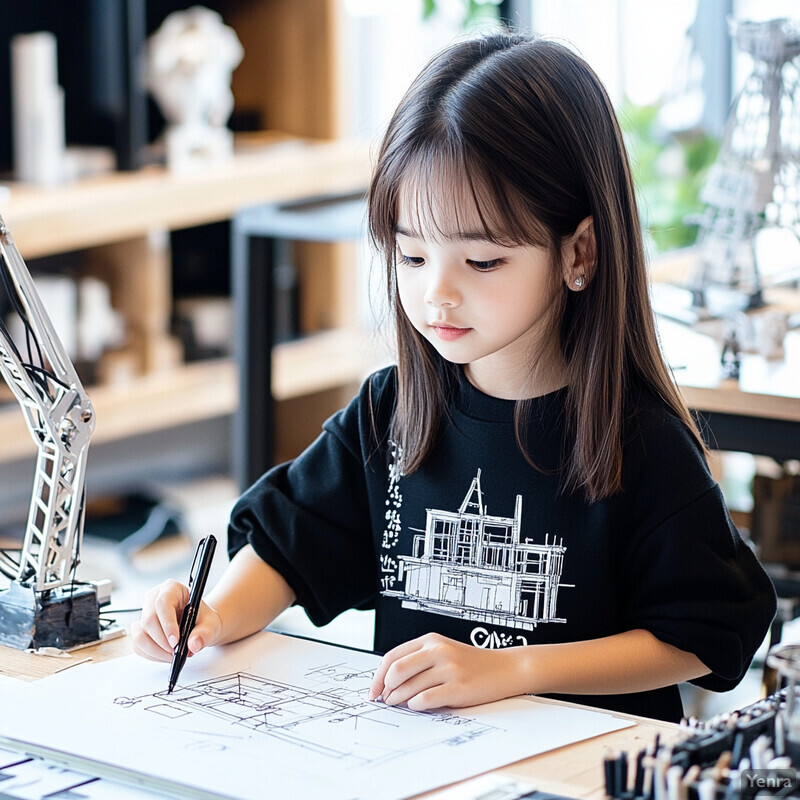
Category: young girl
<point>524,498</point>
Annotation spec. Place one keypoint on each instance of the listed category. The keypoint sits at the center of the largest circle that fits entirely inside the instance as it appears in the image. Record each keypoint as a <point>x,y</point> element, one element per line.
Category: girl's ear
<point>579,255</point>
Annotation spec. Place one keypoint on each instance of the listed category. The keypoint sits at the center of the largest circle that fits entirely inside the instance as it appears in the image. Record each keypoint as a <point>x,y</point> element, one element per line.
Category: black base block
<point>60,618</point>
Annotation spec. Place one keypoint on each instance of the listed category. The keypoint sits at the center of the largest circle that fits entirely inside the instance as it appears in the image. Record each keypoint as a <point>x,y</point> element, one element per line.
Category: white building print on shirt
<point>471,565</point>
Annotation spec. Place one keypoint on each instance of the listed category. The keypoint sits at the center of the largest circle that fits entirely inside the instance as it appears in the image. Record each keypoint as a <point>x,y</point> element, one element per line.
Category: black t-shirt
<point>483,547</point>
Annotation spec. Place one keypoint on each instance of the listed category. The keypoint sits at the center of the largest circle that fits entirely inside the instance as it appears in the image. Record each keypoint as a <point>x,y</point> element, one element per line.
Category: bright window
<point>670,68</point>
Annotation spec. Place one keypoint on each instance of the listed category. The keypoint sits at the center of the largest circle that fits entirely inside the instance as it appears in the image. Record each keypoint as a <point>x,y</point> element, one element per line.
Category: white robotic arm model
<point>44,604</point>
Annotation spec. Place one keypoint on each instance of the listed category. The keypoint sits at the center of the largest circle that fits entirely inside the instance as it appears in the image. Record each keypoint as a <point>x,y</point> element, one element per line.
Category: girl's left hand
<point>434,671</point>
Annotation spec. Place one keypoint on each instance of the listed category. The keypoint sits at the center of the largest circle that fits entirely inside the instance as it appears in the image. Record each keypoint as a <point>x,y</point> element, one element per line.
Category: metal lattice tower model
<point>755,181</point>
<point>45,605</point>
<point>53,534</point>
<point>61,421</point>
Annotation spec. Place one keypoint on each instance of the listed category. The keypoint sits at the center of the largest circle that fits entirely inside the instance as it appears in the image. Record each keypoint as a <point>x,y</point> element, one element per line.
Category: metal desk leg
<point>252,262</point>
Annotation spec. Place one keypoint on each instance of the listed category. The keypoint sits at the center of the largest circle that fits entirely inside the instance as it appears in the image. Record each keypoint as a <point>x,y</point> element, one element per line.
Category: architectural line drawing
<point>327,714</point>
<point>472,565</point>
<point>273,714</point>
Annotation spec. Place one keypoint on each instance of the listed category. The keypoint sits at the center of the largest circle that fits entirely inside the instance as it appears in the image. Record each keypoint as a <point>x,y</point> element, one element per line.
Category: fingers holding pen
<point>206,630</point>
<point>156,633</point>
<point>169,601</point>
<point>144,645</point>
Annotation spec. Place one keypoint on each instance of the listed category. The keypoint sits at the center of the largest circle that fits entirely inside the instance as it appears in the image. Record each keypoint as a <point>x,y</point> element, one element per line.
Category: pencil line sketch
<point>328,715</point>
<point>474,566</point>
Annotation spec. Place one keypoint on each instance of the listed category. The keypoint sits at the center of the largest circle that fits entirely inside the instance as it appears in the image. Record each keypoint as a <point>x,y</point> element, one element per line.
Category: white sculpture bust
<point>190,59</point>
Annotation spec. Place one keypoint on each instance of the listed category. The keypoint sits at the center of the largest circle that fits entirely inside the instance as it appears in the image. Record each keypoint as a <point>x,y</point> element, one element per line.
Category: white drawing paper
<point>285,718</point>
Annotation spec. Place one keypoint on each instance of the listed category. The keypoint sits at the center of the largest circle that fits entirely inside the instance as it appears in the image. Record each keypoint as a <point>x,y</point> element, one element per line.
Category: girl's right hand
<point>156,633</point>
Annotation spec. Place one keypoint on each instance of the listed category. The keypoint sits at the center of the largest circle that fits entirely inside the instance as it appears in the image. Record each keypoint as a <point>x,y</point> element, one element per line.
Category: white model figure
<point>190,59</point>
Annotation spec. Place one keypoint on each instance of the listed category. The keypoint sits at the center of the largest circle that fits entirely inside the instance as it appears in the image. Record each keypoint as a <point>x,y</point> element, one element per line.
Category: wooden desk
<point>574,771</point>
<point>759,413</point>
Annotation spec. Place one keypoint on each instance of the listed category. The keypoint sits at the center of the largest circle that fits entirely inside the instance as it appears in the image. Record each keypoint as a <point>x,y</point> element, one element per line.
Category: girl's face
<point>478,303</point>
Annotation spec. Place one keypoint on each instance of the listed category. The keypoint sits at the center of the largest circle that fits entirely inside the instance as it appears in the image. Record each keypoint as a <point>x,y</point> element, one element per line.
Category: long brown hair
<point>529,129</point>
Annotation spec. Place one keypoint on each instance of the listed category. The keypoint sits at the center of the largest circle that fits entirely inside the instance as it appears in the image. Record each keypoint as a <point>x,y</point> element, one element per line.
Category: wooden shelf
<point>324,361</point>
<point>120,221</point>
<point>111,208</point>
<point>190,393</point>
<point>118,224</point>
<point>208,389</point>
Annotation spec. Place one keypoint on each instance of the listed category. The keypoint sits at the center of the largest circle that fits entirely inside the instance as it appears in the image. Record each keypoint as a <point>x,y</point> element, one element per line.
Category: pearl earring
<point>578,282</point>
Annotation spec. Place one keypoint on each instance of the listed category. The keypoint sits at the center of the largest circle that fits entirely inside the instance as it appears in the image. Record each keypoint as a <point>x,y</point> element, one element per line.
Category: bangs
<point>444,193</point>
